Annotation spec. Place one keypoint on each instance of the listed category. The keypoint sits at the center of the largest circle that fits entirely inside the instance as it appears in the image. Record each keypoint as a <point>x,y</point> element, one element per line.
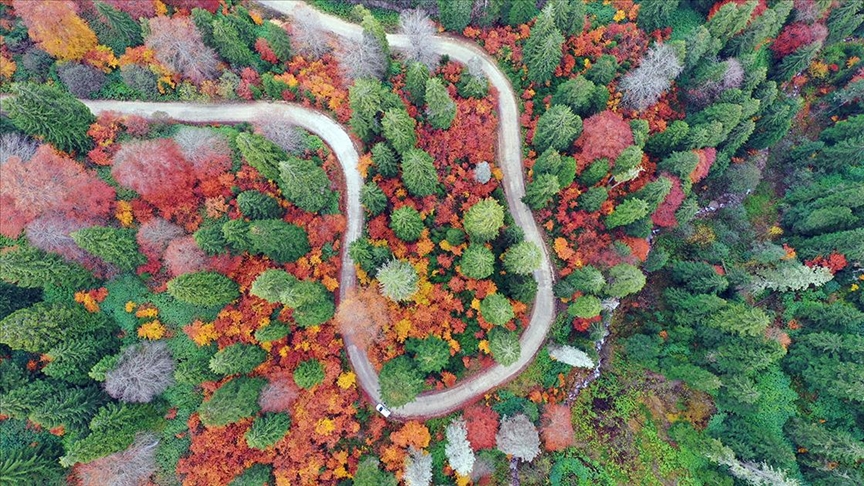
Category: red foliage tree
<point>135,9</point>
<point>706,160</point>
<point>556,428</point>
<point>156,170</point>
<point>482,423</point>
<point>184,256</point>
<point>209,5</point>
<point>664,216</point>
<point>605,134</point>
<point>49,182</point>
<point>794,36</point>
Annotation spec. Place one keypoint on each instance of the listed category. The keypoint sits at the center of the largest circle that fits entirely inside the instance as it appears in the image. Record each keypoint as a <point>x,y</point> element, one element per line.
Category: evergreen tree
<point>235,400</point>
<point>72,359</point>
<point>305,184</point>
<point>267,430</point>
<point>39,328</point>
<point>416,76</point>
<point>504,346</point>
<point>455,14</point>
<point>569,16</point>
<point>260,153</point>
<point>477,262</point>
<point>257,205</point>
<point>398,127</point>
<point>431,354</point>
<point>592,200</point>
<point>229,44</point>
<point>406,223</point>
<point>586,307</point>
<point>397,280</point>
<point>278,41</point>
<point>541,190</point>
<point>116,246</point>
<point>665,142</point>
<point>580,95</point>
<point>797,62</point>
<point>440,107</point>
<point>418,173</point>
<point>42,110</point>
<point>309,373</point>
<point>496,309</point>
<point>624,279</point>
<point>557,129</point>
<point>698,277</point>
<point>542,50</point>
<point>373,198</point>
<point>116,29</point>
<point>282,242</point>
<point>741,319</point>
<point>521,12</point>
<point>483,220</point>
<point>385,160</point>
<point>523,258</point>
<point>208,289</point>
<point>603,71</point>
<point>400,381</point>
<point>629,159</point>
<point>238,359</point>
<point>656,14</point>
<point>32,268</point>
<point>627,212</point>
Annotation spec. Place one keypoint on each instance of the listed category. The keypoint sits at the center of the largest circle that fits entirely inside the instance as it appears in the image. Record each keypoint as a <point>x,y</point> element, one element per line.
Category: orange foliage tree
<point>56,27</point>
<point>362,315</point>
<point>557,429</point>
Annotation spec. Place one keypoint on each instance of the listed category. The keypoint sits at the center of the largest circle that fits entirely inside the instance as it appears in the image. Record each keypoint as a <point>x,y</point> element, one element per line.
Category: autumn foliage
<point>604,135</point>
<point>49,182</point>
<point>56,27</point>
<point>482,424</point>
<point>557,427</point>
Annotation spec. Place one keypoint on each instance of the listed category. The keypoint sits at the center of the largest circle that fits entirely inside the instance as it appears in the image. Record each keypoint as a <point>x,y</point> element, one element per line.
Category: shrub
<point>236,399</point>
<point>203,288</point>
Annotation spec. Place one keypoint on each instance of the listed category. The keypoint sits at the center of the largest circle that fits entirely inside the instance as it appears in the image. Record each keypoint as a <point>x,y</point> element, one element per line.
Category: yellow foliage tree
<point>56,27</point>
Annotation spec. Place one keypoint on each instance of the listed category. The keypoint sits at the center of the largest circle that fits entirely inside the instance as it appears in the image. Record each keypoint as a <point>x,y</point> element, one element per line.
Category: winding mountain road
<point>429,404</point>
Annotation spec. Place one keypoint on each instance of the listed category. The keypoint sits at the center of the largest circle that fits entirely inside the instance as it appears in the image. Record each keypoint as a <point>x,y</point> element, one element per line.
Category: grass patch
<point>389,18</point>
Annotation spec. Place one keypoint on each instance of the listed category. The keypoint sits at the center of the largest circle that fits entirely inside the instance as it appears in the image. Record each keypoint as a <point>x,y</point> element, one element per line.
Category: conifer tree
<point>543,48</point>
<point>440,107</point>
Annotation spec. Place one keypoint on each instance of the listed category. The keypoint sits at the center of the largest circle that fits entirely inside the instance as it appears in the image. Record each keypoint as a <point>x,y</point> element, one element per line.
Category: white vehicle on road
<point>383,410</point>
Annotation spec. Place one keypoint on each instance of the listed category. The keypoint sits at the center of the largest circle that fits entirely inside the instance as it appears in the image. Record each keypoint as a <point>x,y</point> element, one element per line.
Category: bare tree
<point>206,149</point>
<point>643,86</point>
<point>415,24</point>
<point>365,59</point>
<point>178,45</point>
<point>309,40</point>
<point>458,449</point>
<point>278,129</point>
<point>279,394</point>
<point>131,467</point>
<point>518,437</point>
<point>14,144</point>
<point>418,468</point>
<point>155,235</point>
<point>144,371</point>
